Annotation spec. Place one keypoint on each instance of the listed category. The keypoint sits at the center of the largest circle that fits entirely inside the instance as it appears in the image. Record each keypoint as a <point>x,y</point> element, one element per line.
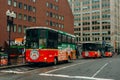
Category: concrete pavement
<point>11,66</point>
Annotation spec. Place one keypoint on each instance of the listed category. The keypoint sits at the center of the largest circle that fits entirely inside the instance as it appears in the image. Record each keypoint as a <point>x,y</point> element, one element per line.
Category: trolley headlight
<point>34,54</point>
<point>98,52</point>
<point>86,53</point>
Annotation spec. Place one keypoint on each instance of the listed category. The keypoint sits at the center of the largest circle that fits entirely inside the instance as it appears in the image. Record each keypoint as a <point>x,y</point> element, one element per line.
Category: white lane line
<point>100,69</point>
<point>66,67</point>
<point>73,77</point>
<point>11,71</point>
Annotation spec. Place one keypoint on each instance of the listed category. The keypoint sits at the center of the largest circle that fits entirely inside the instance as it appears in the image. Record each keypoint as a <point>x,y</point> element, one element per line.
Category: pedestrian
<point>77,53</point>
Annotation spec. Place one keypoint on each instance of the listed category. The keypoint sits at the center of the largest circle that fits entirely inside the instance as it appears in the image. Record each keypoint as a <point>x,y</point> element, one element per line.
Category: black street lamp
<point>10,16</point>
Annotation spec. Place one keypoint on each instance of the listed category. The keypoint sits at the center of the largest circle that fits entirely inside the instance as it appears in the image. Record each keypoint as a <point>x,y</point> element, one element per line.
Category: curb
<point>12,66</point>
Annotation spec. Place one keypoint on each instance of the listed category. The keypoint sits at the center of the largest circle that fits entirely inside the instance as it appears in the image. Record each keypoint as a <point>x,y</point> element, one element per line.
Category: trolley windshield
<point>108,48</point>
<point>90,47</point>
<point>35,38</point>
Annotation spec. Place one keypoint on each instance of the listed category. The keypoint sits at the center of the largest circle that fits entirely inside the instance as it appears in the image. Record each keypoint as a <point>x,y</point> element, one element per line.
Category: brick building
<point>48,13</point>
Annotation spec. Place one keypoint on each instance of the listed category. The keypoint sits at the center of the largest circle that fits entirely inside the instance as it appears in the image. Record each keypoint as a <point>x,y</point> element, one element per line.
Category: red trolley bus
<point>108,51</point>
<point>91,50</point>
<point>46,45</point>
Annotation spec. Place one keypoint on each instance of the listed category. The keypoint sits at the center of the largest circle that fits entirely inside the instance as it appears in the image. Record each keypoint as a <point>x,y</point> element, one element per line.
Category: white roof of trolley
<point>42,27</point>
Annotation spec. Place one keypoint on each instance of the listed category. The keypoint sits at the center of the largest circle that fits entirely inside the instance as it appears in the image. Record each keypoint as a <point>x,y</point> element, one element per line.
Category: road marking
<point>73,77</point>
<point>11,71</point>
<point>100,69</point>
<point>66,67</point>
<point>21,72</point>
<point>110,61</point>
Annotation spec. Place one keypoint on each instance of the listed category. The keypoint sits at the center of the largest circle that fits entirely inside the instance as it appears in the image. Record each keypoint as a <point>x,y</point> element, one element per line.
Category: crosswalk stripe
<point>11,71</point>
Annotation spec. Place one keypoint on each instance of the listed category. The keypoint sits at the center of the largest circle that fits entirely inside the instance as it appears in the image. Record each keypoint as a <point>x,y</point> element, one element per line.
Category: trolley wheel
<point>55,61</point>
<point>69,59</point>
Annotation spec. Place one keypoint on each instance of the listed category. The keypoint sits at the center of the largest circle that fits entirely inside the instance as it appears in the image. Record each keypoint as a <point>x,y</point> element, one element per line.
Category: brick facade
<point>49,13</point>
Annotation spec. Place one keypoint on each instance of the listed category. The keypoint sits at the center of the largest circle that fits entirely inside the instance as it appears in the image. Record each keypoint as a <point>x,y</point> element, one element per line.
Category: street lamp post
<point>10,16</point>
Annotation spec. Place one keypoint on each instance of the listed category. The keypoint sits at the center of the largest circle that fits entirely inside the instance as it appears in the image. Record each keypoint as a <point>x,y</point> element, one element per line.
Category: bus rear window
<point>90,46</point>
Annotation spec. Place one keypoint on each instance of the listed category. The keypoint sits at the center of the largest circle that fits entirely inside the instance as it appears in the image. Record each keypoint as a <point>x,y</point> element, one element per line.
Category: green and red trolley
<point>46,45</point>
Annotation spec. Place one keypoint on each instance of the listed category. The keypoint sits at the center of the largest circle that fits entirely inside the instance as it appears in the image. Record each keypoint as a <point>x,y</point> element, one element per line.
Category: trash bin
<point>3,59</point>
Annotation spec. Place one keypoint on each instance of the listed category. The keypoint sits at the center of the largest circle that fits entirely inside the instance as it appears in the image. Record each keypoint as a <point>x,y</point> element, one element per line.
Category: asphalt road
<point>81,69</point>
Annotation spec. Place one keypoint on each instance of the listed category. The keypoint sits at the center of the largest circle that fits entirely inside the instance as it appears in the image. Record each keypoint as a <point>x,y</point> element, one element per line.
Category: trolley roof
<point>91,43</point>
<point>41,27</point>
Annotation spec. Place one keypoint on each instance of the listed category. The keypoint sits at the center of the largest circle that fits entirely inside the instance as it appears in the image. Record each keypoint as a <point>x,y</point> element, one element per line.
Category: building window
<point>109,32</point>
<point>29,18</point>
<point>47,22</point>
<point>34,19</point>
<point>51,14</point>
<point>47,4</point>
<point>34,0</point>
<point>15,4</point>
<point>34,9</point>
<point>20,5</point>
<point>8,27</point>
<point>57,24</point>
<point>9,2</point>
<point>51,24</point>
<point>62,26</point>
<point>51,5</point>
<point>15,15</point>
<point>25,6</point>
<point>56,0</point>
<point>25,28</point>
<point>14,28</point>
<point>62,18</point>
<point>56,8</point>
<point>19,16</point>
<point>19,28</point>
<point>25,17</point>
<point>47,13</point>
<point>29,8</point>
<point>57,16</point>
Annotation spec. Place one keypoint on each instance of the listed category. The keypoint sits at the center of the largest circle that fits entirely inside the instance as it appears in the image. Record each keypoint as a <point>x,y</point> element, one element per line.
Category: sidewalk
<point>14,63</point>
<point>11,66</point>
